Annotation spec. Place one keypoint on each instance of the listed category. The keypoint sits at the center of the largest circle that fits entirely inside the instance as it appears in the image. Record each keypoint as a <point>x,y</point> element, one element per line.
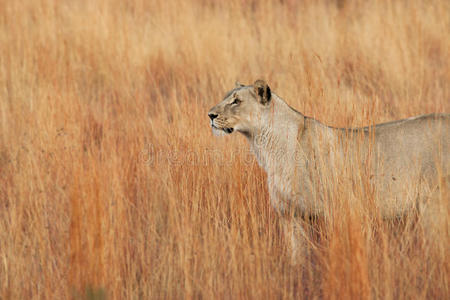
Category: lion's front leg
<point>297,238</point>
<point>296,225</point>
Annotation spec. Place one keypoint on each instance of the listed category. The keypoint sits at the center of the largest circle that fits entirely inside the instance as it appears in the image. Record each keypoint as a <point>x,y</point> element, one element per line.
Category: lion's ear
<point>238,84</point>
<point>262,91</point>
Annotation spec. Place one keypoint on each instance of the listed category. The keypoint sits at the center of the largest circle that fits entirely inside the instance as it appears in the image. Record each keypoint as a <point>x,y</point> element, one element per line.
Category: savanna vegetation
<point>112,185</point>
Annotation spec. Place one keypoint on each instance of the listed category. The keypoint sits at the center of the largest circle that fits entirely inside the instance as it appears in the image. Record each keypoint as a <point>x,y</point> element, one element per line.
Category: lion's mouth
<point>224,129</point>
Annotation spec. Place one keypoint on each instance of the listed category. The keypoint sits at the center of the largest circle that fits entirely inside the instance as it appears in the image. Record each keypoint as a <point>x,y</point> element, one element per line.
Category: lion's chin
<point>221,132</point>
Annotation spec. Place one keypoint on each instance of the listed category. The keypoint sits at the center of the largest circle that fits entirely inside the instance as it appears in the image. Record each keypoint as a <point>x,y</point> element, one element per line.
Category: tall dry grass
<point>112,184</point>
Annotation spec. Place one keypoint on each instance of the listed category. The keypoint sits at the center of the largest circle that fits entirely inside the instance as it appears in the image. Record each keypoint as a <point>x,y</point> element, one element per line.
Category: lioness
<point>404,159</point>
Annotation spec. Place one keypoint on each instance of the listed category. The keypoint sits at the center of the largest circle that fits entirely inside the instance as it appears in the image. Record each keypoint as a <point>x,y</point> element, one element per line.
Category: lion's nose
<point>212,116</point>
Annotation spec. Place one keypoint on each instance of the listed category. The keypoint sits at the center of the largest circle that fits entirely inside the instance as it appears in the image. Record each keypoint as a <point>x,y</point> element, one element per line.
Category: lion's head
<point>241,109</point>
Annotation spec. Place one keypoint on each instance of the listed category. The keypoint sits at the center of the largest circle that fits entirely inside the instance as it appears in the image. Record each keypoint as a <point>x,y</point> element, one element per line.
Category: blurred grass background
<point>110,178</point>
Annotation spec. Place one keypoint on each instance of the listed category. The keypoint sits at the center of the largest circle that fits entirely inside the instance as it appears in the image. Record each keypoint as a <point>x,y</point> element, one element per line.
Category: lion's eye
<point>236,101</point>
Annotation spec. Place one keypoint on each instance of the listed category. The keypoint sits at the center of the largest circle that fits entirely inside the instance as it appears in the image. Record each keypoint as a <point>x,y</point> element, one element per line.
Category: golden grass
<point>110,177</point>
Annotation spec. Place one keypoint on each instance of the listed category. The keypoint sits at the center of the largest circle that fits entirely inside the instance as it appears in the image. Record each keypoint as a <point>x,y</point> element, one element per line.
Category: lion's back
<point>409,157</point>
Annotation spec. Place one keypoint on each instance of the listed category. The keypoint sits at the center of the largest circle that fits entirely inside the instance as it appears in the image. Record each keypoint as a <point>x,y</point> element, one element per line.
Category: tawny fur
<point>403,159</point>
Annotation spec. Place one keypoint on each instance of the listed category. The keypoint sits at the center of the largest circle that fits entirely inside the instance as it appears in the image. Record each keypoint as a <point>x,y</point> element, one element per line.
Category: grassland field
<point>112,185</point>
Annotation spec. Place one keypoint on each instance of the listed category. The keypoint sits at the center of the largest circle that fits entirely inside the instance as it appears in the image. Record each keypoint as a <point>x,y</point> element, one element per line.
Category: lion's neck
<point>276,138</point>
